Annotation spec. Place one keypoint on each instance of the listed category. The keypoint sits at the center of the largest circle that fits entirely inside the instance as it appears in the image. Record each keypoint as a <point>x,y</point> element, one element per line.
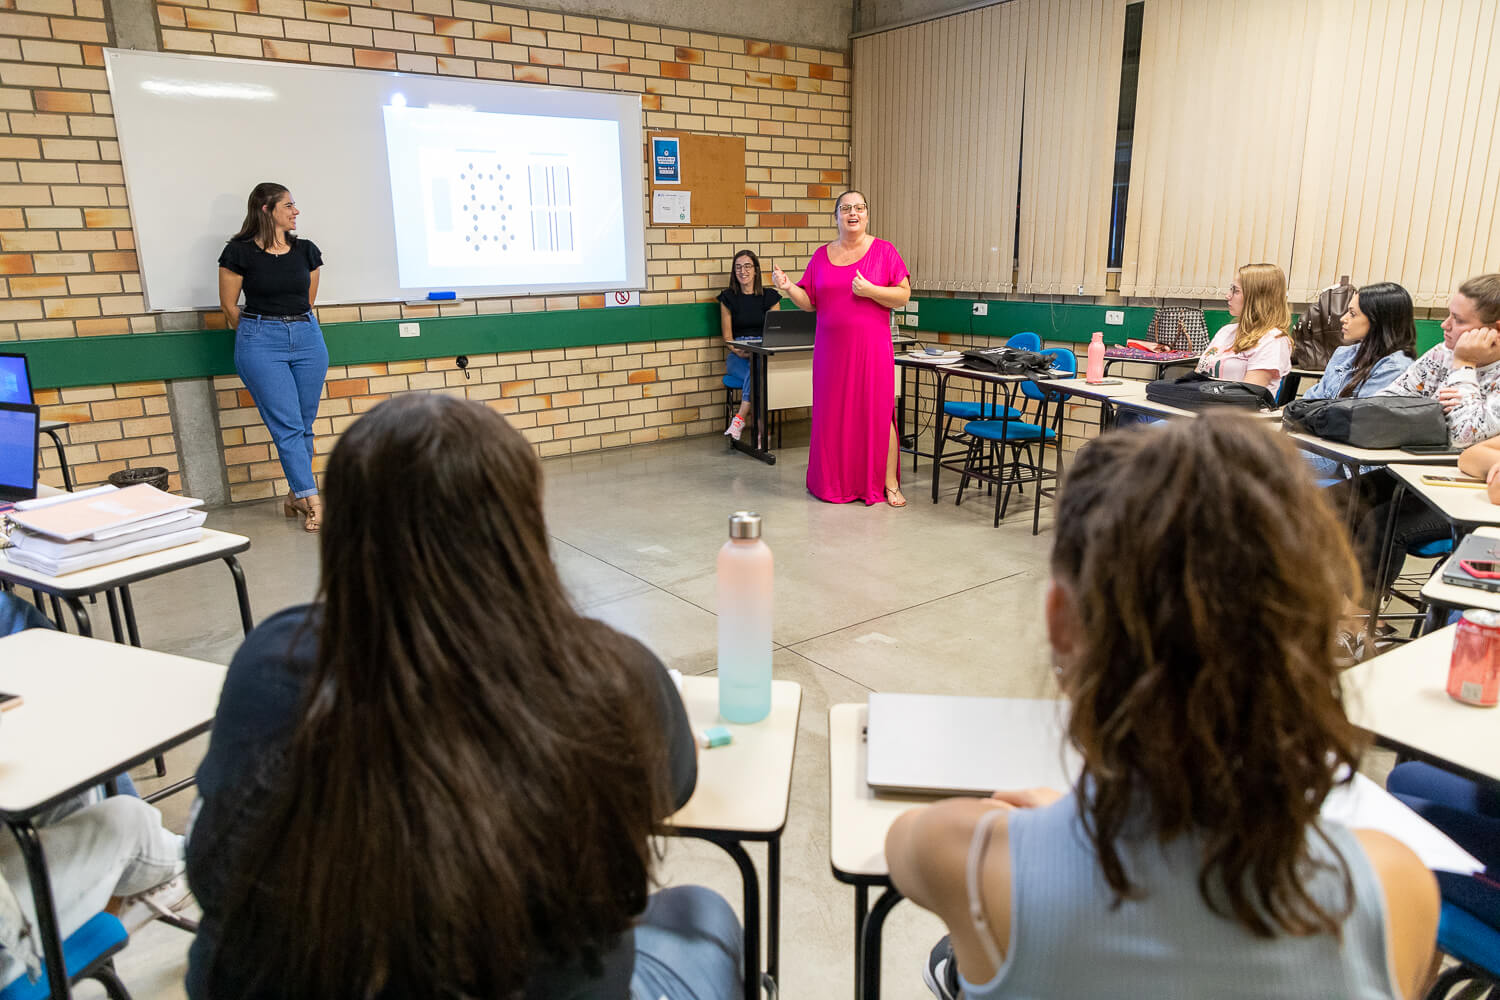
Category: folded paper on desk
<point>100,513</point>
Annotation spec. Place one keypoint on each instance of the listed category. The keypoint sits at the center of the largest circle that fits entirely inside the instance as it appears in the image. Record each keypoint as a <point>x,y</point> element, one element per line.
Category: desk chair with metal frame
<point>969,409</point>
<point>1015,435</point>
<point>90,950</point>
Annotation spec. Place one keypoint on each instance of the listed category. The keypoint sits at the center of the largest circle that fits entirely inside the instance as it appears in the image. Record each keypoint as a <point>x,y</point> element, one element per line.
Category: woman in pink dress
<point>853,284</point>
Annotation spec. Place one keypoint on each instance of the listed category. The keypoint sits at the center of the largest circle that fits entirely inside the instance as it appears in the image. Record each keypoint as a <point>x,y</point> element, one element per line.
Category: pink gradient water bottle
<point>1094,373</point>
<point>744,622</point>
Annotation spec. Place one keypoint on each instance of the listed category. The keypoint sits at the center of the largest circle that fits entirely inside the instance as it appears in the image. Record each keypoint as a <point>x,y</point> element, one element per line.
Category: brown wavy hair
<point>258,226</point>
<point>471,786</point>
<point>1209,576</point>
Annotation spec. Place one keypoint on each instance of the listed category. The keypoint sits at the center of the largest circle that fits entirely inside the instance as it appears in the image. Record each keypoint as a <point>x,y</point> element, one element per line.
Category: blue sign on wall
<point>666,168</point>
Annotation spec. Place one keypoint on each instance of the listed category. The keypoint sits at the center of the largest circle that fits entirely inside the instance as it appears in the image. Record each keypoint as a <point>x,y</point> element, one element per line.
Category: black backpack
<point>1196,391</point>
<point>1009,361</point>
<point>1371,422</point>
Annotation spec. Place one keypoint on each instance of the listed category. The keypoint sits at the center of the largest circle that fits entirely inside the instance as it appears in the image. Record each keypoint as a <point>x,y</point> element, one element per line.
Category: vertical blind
<point>1067,167</point>
<point>1221,119</point>
<point>937,135</point>
<point>1399,182</point>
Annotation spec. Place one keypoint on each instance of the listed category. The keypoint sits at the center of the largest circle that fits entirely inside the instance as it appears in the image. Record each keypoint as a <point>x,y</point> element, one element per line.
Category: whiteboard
<point>551,176</point>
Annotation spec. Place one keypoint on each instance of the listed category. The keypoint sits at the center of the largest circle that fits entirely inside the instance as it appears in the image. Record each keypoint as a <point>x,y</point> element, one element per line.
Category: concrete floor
<point>928,599</point>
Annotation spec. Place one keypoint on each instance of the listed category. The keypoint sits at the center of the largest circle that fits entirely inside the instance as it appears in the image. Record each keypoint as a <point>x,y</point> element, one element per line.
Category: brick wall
<point>67,260</point>
<point>111,428</point>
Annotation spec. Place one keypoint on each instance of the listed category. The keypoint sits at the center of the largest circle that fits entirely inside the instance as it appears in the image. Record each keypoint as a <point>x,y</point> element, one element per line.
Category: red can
<point>1474,675</point>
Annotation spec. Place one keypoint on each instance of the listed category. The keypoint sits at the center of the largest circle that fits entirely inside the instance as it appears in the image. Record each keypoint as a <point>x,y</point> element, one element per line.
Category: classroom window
<point>1130,69</point>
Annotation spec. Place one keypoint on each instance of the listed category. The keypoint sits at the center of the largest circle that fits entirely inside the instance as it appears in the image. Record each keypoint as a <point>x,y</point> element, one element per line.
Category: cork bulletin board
<point>713,169</point>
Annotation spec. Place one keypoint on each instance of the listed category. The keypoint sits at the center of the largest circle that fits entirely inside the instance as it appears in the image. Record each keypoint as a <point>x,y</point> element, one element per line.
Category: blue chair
<point>985,462</point>
<point>967,409</point>
<point>1474,944</point>
<point>88,953</point>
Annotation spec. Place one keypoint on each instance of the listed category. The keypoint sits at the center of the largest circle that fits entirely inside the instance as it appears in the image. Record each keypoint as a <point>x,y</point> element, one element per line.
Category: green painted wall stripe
<point>142,357</point>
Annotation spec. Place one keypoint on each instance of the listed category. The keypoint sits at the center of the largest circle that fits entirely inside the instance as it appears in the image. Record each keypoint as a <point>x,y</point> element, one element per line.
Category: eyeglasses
<point>744,267</point>
<point>846,209</point>
<point>1236,290</point>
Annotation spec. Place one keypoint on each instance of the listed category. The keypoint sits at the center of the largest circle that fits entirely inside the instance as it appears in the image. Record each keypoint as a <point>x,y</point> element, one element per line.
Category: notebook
<point>98,514</point>
<point>15,379</point>
<point>19,425</point>
<point>947,745</point>
<point>1474,549</point>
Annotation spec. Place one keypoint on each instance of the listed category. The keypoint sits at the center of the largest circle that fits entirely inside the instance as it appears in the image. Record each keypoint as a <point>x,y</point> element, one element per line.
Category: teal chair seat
<point>1476,946</point>
<point>1008,430</point>
<point>970,410</point>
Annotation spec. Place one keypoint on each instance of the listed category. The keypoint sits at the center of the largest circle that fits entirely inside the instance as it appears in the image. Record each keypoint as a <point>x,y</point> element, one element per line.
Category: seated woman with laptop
<point>1193,637</point>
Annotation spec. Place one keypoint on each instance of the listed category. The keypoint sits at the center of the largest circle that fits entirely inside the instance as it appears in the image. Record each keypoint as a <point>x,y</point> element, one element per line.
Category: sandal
<point>312,513</point>
<point>893,497</point>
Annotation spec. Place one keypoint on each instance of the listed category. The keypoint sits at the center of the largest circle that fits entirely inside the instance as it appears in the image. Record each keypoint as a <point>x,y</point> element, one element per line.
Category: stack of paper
<point>74,531</point>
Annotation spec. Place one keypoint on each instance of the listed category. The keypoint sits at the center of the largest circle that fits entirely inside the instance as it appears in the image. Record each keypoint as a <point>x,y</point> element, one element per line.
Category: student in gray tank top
<point>1197,582</point>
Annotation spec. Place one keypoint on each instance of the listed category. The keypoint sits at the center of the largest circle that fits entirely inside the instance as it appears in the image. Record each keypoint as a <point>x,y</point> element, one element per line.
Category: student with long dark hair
<point>1379,343</point>
<point>279,351</point>
<point>742,313</point>
<point>440,780</point>
<point>1190,858</point>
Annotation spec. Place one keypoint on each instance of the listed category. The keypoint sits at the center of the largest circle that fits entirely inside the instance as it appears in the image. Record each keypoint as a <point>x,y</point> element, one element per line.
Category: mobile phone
<point>1481,569</point>
<point>9,701</point>
<point>933,350</point>
<point>1441,479</point>
<point>1430,449</point>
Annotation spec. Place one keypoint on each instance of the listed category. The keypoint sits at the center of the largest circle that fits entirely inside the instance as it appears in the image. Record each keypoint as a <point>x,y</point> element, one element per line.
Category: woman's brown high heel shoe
<point>311,509</point>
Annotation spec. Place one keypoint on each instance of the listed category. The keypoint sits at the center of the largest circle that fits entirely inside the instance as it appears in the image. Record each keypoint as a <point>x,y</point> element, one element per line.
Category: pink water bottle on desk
<point>1094,372</point>
<point>1474,674</point>
<point>745,568</point>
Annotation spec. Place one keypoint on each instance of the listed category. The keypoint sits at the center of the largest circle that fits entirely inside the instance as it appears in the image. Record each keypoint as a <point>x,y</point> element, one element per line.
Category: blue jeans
<point>282,363</point>
<point>737,374</point>
<point>688,946</point>
<point>1467,811</point>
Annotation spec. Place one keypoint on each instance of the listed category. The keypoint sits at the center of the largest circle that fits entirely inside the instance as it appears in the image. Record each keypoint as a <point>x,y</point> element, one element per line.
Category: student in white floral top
<point>1254,348</point>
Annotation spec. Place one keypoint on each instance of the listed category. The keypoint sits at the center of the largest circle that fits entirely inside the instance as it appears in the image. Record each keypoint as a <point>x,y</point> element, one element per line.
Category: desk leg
<point>760,444</point>
<point>861,914</point>
<point>937,430</point>
<point>246,621</point>
<point>870,943</point>
<point>773,909</point>
<point>128,607</point>
<point>80,615</point>
<point>114,616</point>
<point>46,913</point>
<point>1383,577</point>
<point>736,851</point>
<point>62,458</point>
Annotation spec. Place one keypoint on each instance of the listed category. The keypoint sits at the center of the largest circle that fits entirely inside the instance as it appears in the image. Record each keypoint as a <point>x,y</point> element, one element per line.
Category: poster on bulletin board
<point>666,165</point>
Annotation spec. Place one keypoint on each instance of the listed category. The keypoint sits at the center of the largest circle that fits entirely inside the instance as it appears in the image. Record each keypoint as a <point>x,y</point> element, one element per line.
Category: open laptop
<point>15,379</point>
<point>788,328</point>
<point>946,745</point>
<point>19,427</point>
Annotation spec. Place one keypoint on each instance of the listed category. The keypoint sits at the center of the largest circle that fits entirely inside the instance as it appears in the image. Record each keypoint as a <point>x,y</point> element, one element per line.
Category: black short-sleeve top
<point>747,313</point>
<point>275,284</point>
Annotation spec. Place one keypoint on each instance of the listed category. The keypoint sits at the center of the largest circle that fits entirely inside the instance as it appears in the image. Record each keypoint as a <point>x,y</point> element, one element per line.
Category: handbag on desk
<point>1370,422</point>
<point>1008,361</point>
<point>1196,391</point>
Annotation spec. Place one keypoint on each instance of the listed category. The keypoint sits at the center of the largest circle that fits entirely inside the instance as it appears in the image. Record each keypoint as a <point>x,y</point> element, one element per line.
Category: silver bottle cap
<point>744,524</point>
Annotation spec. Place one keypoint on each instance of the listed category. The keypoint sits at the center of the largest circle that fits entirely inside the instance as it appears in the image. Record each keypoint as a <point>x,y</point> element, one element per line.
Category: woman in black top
<point>278,346</point>
<point>440,780</point>
<point>742,313</point>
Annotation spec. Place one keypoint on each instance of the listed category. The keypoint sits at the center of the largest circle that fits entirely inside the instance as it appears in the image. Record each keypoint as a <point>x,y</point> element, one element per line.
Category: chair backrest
<point>1026,341</point>
<point>1063,360</point>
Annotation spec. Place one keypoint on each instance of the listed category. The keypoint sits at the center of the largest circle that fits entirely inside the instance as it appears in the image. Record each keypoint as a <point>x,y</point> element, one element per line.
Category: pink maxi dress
<point>854,376</point>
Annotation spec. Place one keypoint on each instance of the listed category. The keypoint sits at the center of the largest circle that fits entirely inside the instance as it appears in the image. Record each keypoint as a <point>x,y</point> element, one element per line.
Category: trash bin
<point>153,475</point>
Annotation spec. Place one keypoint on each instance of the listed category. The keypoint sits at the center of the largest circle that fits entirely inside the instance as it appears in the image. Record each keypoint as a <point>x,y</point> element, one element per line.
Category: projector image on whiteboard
<point>483,206</point>
<point>483,198</point>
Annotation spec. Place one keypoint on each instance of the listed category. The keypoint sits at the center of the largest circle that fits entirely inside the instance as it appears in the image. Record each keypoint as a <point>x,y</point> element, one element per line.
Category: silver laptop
<point>947,745</point>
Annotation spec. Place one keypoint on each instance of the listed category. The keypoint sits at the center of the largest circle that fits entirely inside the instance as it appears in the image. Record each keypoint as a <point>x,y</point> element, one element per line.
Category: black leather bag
<point>1197,391</point>
<point>1371,422</point>
<point>1008,361</point>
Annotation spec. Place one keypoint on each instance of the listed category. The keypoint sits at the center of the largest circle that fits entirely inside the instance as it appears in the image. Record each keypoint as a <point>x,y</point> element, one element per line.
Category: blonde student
<point>1254,348</point>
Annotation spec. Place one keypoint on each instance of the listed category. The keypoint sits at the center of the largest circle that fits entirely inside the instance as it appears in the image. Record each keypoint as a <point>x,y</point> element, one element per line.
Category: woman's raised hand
<point>779,279</point>
<point>862,284</point>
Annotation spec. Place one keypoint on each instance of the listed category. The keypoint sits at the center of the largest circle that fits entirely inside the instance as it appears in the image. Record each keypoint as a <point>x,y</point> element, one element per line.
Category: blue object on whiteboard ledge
<point>441,296</point>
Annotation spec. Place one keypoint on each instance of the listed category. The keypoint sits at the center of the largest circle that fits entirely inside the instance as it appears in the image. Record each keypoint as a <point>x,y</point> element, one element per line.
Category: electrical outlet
<point>981,309</point>
<point>1114,317</point>
<point>910,320</point>
<point>410,329</point>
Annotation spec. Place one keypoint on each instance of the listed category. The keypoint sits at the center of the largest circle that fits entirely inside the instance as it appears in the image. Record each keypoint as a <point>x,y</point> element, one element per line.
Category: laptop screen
<point>18,450</point>
<point>15,380</point>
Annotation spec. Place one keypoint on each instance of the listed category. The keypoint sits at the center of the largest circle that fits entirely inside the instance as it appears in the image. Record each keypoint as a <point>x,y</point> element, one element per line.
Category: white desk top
<point>1463,505</point>
<point>1402,695</point>
<point>91,708</point>
<point>1438,592</point>
<point>743,787</point>
<point>213,545</point>
<point>1365,456</point>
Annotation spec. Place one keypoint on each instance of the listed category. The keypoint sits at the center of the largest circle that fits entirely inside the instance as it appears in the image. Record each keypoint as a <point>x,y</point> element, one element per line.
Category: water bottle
<point>744,622</point>
<point>1094,374</point>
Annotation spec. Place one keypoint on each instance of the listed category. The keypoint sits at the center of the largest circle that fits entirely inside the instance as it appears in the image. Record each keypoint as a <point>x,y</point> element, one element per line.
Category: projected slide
<point>481,198</point>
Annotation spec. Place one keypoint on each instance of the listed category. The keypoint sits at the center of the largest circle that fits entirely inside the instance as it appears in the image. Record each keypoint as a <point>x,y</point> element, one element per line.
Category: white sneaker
<point>166,900</point>
<point>736,427</point>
